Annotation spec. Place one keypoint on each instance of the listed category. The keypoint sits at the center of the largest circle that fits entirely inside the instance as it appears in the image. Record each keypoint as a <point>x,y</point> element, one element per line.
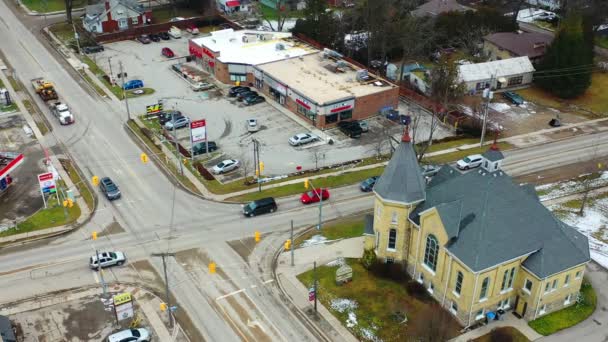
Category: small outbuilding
<point>511,73</point>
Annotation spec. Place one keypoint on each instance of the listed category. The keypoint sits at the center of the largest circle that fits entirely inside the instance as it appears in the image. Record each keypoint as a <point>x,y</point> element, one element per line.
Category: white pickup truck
<point>62,112</point>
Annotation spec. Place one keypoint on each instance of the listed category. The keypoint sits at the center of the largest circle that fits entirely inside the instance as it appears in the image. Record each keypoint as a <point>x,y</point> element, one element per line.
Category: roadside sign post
<point>123,306</point>
<point>47,185</point>
<point>198,133</point>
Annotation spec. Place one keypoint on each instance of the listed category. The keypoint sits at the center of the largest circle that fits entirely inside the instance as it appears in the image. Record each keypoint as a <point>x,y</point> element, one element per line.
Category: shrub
<point>417,290</point>
<point>393,271</point>
<point>203,171</point>
<point>368,259</point>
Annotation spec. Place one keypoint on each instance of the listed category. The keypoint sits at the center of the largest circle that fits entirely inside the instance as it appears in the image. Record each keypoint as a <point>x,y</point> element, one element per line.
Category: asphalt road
<point>240,301</point>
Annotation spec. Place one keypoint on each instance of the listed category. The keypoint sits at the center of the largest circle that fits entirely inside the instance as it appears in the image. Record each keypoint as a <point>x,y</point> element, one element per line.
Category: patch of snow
<point>564,188</point>
<point>369,335</point>
<point>314,240</point>
<point>500,106</point>
<point>343,305</point>
<point>337,262</point>
<point>352,320</point>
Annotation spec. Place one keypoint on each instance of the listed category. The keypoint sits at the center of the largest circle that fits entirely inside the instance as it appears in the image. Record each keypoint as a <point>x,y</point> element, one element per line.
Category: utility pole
<point>103,283</point>
<point>314,272</point>
<point>124,92</point>
<point>255,161</point>
<point>320,194</point>
<point>488,94</point>
<point>258,165</point>
<point>291,249</point>
<point>111,74</point>
<point>181,167</point>
<point>76,35</point>
<point>164,256</point>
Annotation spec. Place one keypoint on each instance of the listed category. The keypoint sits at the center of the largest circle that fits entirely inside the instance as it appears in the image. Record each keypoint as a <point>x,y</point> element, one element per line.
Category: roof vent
<point>479,171</point>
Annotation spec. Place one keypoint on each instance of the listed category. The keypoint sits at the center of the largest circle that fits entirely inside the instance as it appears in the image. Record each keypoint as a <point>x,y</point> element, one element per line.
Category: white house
<point>550,4</point>
<point>115,15</point>
<point>502,74</point>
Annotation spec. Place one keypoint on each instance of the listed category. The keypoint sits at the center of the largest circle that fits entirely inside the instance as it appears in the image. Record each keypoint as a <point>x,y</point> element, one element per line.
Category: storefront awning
<point>233,3</point>
<point>9,161</point>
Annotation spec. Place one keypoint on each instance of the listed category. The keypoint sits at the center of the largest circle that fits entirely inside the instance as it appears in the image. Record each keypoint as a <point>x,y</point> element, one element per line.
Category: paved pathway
<point>508,321</point>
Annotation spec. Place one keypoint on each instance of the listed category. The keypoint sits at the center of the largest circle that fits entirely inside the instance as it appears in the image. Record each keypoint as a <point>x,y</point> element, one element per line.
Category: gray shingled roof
<point>493,155</point>
<point>436,7</point>
<point>500,221</point>
<point>402,180</point>
<point>531,44</point>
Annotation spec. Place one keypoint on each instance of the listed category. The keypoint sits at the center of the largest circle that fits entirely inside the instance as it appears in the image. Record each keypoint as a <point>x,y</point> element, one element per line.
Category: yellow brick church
<point>477,241</point>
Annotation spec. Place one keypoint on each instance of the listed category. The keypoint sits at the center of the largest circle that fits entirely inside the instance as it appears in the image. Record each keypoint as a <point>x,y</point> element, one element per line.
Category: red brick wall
<point>221,72</point>
<point>366,106</point>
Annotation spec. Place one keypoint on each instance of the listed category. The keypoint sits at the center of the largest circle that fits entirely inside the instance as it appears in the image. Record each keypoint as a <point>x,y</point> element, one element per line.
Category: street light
<point>307,184</point>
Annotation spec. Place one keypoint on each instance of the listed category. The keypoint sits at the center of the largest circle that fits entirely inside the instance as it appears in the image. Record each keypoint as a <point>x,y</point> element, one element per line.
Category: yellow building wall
<point>389,216</point>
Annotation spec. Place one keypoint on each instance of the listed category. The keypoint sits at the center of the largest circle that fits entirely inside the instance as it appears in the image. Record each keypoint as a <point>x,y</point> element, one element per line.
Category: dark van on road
<point>261,206</point>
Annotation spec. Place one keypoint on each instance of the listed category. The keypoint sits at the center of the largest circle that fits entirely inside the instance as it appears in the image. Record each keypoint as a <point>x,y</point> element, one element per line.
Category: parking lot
<point>226,118</point>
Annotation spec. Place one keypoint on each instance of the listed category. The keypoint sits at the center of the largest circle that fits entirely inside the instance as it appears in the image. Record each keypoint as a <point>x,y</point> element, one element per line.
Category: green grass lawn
<point>97,88</point>
<point>46,218</point>
<point>10,108</point>
<point>16,85</point>
<point>345,228</point>
<point>602,42</point>
<point>80,183</point>
<point>594,99</point>
<point>43,6</point>
<point>162,15</point>
<point>147,91</point>
<point>377,301</point>
<point>503,334</point>
<point>63,31</point>
<point>569,316</point>
<point>36,116</point>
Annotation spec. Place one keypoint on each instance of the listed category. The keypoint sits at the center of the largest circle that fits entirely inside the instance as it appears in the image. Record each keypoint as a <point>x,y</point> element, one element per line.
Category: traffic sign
<point>311,294</point>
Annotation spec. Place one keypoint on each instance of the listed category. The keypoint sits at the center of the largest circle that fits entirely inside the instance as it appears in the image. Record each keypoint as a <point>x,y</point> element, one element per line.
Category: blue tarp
<point>490,315</point>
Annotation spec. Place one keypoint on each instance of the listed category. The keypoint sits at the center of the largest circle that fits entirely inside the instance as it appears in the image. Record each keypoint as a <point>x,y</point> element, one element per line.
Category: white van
<point>175,32</point>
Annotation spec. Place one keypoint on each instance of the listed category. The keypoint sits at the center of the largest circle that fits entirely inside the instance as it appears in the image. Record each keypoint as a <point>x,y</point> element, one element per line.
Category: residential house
<point>417,75</point>
<point>478,242</point>
<point>290,4</point>
<point>232,6</point>
<point>502,74</point>
<point>548,4</point>
<point>504,45</point>
<point>6,330</point>
<point>436,7</point>
<point>115,15</point>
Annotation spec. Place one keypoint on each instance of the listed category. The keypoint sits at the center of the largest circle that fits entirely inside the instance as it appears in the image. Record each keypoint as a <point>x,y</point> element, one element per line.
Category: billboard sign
<point>47,183</point>
<point>198,131</point>
<point>154,109</point>
<point>123,306</point>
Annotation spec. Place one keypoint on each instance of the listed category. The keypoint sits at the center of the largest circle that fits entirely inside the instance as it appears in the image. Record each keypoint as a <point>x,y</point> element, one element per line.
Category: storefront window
<point>238,77</point>
<point>345,115</point>
<point>259,83</point>
<point>331,118</point>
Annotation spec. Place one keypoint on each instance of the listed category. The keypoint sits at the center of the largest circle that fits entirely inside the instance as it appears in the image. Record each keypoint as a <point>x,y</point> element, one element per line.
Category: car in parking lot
<point>234,91</point>
<point>251,100</point>
<point>252,125</point>
<point>314,196</point>
<point>201,86</point>
<point>144,39</point>
<point>302,138</point>
<point>107,259</point>
<point>225,166</point>
<point>154,37</point>
<point>130,335</point>
<point>201,148</point>
<point>261,206</point>
<point>351,129</point>
<point>469,162</point>
<point>243,94</point>
<point>164,35</point>
<point>178,123</point>
<point>516,99</point>
<point>364,126</point>
<point>109,188</point>
<point>167,52</point>
<point>92,49</point>
<point>167,115</point>
<point>368,184</point>
<point>133,84</point>
<point>430,170</point>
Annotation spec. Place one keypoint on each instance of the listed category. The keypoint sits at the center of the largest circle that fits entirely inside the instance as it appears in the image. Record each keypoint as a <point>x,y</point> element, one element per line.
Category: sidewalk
<point>297,293</point>
<point>509,321</point>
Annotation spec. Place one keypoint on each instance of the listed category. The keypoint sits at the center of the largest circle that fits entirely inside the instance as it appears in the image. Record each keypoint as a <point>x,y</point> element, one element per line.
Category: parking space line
<point>230,294</point>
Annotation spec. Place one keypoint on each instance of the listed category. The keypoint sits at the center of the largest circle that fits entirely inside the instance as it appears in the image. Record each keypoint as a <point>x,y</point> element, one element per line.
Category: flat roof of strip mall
<point>253,47</point>
<point>323,79</point>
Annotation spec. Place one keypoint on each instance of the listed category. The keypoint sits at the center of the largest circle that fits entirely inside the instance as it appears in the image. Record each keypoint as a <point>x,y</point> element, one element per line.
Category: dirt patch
<point>192,259</point>
<point>112,228</point>
<point>243,247</point>
<point>148,274</point>
<point>601,234</point>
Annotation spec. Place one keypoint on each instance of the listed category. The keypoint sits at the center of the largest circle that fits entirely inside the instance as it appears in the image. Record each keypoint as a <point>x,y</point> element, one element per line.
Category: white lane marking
<point>96,277</point>
<point>230,294</point>
<point>266,319</point>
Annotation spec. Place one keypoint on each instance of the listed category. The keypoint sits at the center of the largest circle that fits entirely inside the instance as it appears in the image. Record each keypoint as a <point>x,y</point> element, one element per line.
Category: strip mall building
<point>318,85</point>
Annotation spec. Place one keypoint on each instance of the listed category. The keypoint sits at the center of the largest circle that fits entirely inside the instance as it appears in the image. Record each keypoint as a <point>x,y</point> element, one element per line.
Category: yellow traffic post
<point>261,166</point>
<point>287,244</point>
<point>257,236</point>
<point>306,183</point>
<point>163,307</point>
<point>144,158</point>
<point>94,235</point>
<point>95,180</point>
<point>65,203</point>
<point>212,268</point>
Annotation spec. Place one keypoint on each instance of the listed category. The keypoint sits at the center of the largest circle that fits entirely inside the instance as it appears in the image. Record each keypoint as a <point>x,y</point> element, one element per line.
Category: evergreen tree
<point>565,70</point>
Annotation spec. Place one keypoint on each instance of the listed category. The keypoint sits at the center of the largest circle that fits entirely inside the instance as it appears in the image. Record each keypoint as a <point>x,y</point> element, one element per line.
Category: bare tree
<point>246,166</point>
<point>282,11</point>
<point>423,139</point>
<point>317,156</point>
<point>416,36</point>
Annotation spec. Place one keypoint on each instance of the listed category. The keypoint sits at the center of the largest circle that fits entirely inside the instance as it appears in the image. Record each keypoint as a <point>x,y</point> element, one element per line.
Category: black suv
<point>92,49</point>
<point>234,91</point>
<point>165,116</point>
<point>351,128</point>
<point>201,148</point>
<point>261,206</point>
<point>109,188</point>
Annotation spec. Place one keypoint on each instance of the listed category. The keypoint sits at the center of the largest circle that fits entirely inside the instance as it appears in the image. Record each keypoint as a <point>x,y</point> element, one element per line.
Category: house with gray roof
<point>480,243</point>
<point>115,15</point>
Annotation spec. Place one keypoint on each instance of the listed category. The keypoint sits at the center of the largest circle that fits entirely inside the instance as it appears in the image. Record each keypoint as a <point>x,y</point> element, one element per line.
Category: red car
<point>167,52</point>
<point>313,196</point>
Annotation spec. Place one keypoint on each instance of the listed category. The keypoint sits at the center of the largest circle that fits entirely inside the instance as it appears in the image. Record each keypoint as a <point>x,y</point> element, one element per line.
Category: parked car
<point>261,206</point>
<point>430,170</point>
<point>166,116</point>
<point>243,94</point>
<point>164,35</point>
<point>302,138</point>
<point>144,39</point>
<point>92,49</point>
<point>154,37</point>
<point>368,184</point>
<point>225,166</point>
<point>364,126</point>
<point>167,52</point>
<point>178,123</point>
<point>350,128</point>
<point>131,335</point>
<point>234,91</point>
<point>251,100</point>
<point>192,29</point>
<point>201,148</point>
<point>109,188</point>
<point>549,17</point>
<point>469,162</point>
<point>516,99</point>
<point>175,32</point>
<point>314,196</point>
<point>133,84</point>
<point>200,86</point>
<point>107,259</point>
<point>252,125</point>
